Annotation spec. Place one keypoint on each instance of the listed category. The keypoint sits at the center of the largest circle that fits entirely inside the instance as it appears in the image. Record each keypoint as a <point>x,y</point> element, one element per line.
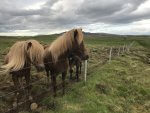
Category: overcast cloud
<point>33,17</point>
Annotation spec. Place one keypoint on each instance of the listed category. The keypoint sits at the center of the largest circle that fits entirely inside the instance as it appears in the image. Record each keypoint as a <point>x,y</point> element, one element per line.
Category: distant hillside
<point>96,35</point>
<point>86,34</point>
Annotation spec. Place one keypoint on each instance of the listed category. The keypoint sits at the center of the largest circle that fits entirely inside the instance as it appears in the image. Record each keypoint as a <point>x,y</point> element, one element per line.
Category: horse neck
<point>27,61</point>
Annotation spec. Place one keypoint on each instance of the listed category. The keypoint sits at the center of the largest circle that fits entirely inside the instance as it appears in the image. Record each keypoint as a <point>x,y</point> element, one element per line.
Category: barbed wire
<point>1,72</point>
<point>52,61</point>
<point>22,88</point>
<point>39,79</point>
<point>21,103</point>
<point>10,93</point>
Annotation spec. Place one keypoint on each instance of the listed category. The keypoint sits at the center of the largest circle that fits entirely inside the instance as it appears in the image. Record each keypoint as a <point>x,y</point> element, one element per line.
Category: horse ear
<point>29,45</point>
<point>75,33</point>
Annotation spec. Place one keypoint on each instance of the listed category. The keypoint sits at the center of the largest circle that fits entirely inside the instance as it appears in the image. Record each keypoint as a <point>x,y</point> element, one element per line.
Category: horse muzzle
<point>40,67</point>
<point>86,57</point>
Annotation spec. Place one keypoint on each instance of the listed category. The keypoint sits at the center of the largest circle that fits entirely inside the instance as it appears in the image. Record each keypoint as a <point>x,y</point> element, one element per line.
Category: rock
<point>33,106</point>
<point>14,104</point>
<point>30,98</point>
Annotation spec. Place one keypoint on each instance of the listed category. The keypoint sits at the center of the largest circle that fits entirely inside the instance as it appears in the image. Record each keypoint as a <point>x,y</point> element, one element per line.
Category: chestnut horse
<point>56,55</point>
<point>18,63</point>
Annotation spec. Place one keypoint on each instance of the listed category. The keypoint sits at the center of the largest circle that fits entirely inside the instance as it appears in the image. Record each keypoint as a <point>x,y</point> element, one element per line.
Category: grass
<point>121,86</point>
<point>118,87</point>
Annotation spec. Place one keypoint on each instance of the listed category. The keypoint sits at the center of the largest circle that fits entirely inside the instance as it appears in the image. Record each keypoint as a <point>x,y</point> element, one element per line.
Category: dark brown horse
<point>56,55</point>
<point>75,61</point>
<point>18,63</point>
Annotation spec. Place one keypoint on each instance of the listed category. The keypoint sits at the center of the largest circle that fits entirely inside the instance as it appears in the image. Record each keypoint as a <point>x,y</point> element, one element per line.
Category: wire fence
<point>1,72</point>
<point>112,53</point>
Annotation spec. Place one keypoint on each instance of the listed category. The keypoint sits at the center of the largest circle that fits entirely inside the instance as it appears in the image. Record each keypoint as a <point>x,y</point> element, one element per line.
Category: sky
<point>42,17</point>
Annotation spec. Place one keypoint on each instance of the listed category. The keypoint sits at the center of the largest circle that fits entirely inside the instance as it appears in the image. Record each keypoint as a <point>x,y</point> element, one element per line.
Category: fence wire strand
<point>33,83</point>
<point>39,79</point>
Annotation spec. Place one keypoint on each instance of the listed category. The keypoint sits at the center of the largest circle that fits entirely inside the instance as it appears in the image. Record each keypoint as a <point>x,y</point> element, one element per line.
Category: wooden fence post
<point>119,51</point>
<point>130,46</point>
<point>85,70</point>
<point>123,49</point>
<point>110,54</point>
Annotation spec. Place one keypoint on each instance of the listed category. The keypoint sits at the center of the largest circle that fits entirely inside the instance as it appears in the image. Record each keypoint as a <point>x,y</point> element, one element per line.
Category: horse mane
<point>17,55</point>
<point>36,51</point>
<point>64,43</point>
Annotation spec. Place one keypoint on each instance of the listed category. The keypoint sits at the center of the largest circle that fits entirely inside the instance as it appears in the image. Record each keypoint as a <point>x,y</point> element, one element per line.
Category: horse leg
<point>53,79</point>
<point>77,72</point>
<point>47,74</point>
<point>63,81</point>
<point>21,91</point>
<point>17,87</point>
<point>71,71</point>
<point>28,86</point>
<point>80,67</point>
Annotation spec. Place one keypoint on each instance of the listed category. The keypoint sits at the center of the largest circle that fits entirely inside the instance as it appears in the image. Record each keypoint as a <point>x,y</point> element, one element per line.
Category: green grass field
<point>121,86</point>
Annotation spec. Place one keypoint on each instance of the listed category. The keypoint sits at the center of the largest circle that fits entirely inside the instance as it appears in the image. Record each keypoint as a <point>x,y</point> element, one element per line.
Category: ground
<point>119,86</point>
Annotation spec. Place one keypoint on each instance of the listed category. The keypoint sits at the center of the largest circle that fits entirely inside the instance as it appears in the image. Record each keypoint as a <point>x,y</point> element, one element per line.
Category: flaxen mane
<point>17,56</point>
<point>63,43</point>
<point>36,52</point>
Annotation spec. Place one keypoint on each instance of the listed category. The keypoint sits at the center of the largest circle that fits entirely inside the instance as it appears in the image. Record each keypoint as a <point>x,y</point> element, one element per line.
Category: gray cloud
<point>64,14</point>
<point>114,11</point>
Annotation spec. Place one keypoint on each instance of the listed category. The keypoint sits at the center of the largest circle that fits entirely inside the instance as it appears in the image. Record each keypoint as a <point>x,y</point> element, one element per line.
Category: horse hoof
<point>14,104</point>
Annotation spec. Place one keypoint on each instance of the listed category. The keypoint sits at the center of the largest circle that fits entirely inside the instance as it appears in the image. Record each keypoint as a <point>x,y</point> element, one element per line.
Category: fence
<point>119,50</point>
<point>112,52</point>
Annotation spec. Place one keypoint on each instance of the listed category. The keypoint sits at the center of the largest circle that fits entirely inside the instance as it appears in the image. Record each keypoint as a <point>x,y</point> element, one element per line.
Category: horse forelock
<point>35,52</point>
<point>80,36</point>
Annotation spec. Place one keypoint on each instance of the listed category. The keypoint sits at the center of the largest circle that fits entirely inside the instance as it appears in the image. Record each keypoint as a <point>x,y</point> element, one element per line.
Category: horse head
<point>35,53</point>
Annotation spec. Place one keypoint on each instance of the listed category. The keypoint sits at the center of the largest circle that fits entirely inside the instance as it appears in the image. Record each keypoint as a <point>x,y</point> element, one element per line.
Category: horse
<point>56,55</point>
<point>77,62</point>
<point>18,63</point>
<point>73,61</point>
